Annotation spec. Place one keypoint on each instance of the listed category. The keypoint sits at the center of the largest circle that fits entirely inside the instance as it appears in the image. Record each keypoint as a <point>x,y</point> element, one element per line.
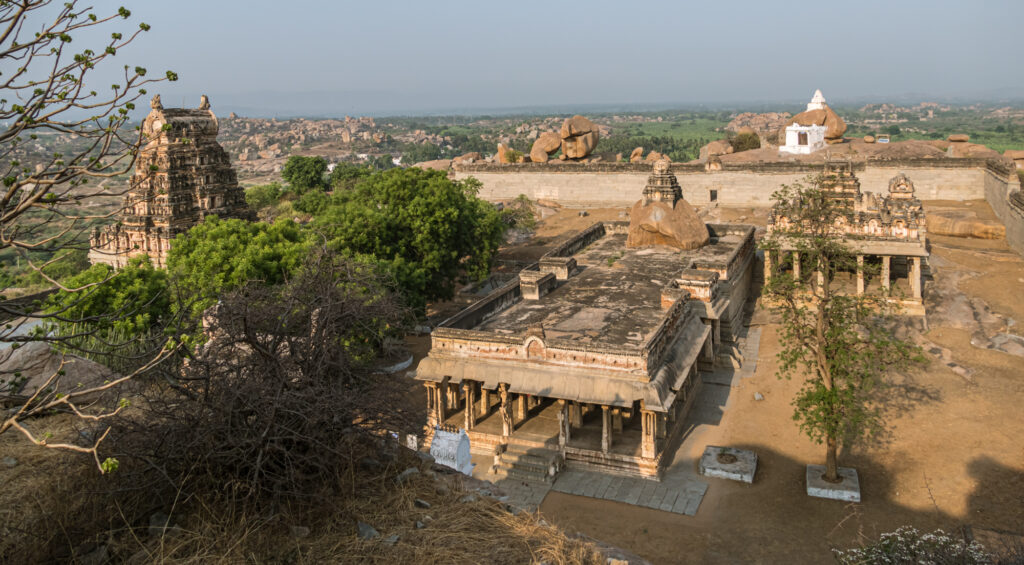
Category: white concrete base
<point>742,469</point>
<point>847,490</point>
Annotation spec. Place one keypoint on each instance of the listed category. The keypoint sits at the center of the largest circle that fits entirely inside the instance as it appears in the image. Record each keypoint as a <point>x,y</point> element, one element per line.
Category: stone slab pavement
<point>676,492</point>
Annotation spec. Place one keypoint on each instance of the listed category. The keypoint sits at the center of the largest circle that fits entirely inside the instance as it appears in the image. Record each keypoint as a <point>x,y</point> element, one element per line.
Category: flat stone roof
<point>614,299</point>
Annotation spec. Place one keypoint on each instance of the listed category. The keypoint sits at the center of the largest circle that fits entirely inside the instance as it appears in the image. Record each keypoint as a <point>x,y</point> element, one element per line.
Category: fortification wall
<point>997,193</point>
<point>742,184</point>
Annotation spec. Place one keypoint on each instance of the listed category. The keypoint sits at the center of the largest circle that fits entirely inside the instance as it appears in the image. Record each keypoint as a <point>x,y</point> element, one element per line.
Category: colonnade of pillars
<point>886,274</point>
<point>444,398</point>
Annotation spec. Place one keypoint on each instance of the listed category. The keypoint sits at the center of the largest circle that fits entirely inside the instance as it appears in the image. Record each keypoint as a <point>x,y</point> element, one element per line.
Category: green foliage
<point>312,202</point>
<point>264,195</point>
<point>413,153</point>
<point>841,345</point>
<point>745,141</point>
<point>426,228</point>
<point>304,173</point>
<point>221,255</point>
<point>127,302</point>
<point>893,130</point>
<point>346,175</point>
<point>513,156</point>
<point>381,162</point>
<point>908,545</point>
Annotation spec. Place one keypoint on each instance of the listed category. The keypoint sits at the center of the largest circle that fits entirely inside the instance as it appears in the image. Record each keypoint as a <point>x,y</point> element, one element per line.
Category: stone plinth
<point>728,463</point>
<point>847,490</point>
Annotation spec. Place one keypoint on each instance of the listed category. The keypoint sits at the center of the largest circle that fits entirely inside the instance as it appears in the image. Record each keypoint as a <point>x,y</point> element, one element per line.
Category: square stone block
<point>728,463</point>
<point>847,490</point>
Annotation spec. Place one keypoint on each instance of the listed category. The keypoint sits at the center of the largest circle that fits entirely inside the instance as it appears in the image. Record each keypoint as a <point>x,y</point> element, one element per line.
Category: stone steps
<point>530,464</point>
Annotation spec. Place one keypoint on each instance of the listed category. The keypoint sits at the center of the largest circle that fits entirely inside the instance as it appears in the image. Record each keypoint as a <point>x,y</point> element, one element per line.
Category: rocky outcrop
<point>579,137</point>
<point>766,126</point>
<point>547,144</point>
<point>835,126</point>
<point>654,157</point>
<point>637,155</point>
<point>471,157</point>
<point>436,165</point>
<point>503,152</point>
<point>662,217</point>
<point>961,223</point>
<point>36,363</point>
<point>718,147</point>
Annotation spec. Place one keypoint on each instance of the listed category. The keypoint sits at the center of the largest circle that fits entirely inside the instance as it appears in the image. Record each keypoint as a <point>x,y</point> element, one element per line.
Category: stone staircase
<point>528,464</point>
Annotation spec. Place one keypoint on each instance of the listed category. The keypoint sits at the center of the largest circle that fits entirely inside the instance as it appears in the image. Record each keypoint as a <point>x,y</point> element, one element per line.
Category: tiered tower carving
<point>182,175</point>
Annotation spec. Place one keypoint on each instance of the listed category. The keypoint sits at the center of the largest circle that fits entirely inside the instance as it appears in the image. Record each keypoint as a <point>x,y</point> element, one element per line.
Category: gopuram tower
<point>181,176</point>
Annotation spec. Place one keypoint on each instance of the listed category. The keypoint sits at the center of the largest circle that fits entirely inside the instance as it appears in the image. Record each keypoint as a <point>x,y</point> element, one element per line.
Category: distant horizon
<point>399,58</point>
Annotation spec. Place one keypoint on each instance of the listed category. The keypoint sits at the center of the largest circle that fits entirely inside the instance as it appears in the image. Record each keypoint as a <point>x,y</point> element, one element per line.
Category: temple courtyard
<point>952,457</point>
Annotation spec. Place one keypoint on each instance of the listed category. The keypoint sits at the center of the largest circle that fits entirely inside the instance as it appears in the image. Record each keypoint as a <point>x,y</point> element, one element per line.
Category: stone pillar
<point>647,443</point>
<point>521,407</point>
<point>796,265</point>
<point>506,410</point>
<point>860,274</point>
<point>606,429</point>
<point>886,260</point>
<point>564,429</point>
<point>431,405</point>
<point>575,415</point>
<point>469,389</point>
<point>442,402</point>
<point>485,402</point>
<point>767,265</point>
<point>915,277</point>
<point>617,420</point>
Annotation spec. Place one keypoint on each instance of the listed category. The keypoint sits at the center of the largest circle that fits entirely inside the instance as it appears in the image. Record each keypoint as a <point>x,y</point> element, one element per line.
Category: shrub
<point>908,545</point>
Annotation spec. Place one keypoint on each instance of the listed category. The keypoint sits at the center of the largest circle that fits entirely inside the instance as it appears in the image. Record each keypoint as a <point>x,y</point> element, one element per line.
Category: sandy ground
<point>953,454</point>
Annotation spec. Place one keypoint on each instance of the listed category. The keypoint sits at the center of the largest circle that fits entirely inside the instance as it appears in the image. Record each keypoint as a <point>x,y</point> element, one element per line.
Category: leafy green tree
<point>221,255</point>
<point>428,229</point>
<point>382,162</point>
<point>264,195</point>
<point>304,173</point>
<point>893,130</point>
<point>138,295</point>
<point>346,175</point>
<point>312,202</point>
<point>841,345</point>
<point>413,153</point>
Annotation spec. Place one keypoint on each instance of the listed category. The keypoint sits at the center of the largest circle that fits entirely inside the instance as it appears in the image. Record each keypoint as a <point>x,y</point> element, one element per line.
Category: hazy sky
<point>307,57</point>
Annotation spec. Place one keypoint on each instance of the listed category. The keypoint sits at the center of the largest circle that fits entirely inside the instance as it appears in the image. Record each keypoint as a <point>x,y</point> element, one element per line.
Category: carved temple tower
<point>181,176</point>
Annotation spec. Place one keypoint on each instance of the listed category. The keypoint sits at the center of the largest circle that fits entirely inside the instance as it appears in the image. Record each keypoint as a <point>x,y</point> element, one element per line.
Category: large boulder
<point>835,126</point>
<point>660,220</point>
<point>470,157</point>
<point>637,155</point>
<point>546,145</point>
<point>503,152</point>
<point>963,223</point>
<point>654,157</point>
<point>717,147</point>
<point>37,365</point>
<point>959,138</point>
<point>579,137</point>
<point>435,165</point>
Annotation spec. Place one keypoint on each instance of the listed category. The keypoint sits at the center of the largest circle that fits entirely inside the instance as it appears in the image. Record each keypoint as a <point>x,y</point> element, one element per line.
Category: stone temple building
<point>590,358</point>
<point>181,176</point>
<point>889,228</point>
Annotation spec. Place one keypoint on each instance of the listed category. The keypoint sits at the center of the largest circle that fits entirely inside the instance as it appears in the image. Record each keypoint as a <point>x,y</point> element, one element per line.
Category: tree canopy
<point>304,173</point>
<point>426,227</point>
<point>217,256</point>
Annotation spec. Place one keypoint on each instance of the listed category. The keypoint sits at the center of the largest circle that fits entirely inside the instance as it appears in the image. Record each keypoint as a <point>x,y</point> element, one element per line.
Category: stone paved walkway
<point>678,494</point>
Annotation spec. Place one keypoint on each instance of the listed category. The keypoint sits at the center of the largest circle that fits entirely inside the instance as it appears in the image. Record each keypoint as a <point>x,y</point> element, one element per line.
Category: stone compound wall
<point>748,184</point>
<point>997,192</point>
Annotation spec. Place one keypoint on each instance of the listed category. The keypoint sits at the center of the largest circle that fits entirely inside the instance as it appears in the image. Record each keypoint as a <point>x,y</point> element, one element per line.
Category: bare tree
<point>264,406</point>
<point>49,92</point>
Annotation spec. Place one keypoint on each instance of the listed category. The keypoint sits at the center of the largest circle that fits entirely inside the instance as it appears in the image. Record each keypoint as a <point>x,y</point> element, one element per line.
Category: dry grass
<point>56,507</point>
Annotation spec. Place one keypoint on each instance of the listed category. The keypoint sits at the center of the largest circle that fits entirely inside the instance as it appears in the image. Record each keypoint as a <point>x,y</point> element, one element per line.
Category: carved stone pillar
<point>860,274</point>
<point>606,429</point>
<point>564,431</point>
<point>521,407</point>
<point>647,443</point>
<point>575,415</point>
<point>915,277</point>
<point>617,420</point>
<point>505,410</point>
<point>485,402</point>
<point>469,389</point>
<point>432,405</point>
<point>796,265</point>
<point>442,402</point>
<point>886,260</point>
